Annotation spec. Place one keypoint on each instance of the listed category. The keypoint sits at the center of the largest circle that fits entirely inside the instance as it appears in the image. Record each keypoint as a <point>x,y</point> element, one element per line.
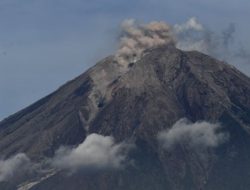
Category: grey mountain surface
<point>135,103</point>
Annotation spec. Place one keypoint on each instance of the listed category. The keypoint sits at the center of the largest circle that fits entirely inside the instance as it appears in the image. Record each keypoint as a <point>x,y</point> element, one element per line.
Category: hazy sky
<point>44,43</point>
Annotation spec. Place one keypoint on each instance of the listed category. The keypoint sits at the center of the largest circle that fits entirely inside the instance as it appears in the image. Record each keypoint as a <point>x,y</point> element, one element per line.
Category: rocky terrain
<point>135,103</point>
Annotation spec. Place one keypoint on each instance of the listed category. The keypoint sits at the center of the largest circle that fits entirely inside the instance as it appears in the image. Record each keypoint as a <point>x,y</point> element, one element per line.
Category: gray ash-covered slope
<point>138,102</point>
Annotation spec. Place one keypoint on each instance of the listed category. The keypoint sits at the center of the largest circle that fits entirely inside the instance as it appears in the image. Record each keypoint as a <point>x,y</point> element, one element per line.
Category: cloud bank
<point>96,152</point>
<point>199,134</point>
<point>9,167</point>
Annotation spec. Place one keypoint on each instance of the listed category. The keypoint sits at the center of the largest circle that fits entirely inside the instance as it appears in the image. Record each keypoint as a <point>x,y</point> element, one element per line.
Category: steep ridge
<point>136,103</point>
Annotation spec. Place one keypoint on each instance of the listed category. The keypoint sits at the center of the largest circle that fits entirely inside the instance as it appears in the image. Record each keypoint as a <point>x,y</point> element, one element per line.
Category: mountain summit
<point>181,120</point>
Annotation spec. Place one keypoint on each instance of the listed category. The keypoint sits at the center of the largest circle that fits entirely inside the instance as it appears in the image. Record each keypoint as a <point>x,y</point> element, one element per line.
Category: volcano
<point>134,103</point>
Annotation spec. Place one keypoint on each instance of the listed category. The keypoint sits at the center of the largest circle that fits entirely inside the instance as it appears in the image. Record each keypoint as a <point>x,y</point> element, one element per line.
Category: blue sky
<point>44,43</point>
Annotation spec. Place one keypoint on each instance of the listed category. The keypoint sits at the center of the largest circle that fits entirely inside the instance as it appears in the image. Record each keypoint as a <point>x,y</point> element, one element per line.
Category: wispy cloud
<point>199,134</point>
<point>16,164</point>
<point>193,35</point>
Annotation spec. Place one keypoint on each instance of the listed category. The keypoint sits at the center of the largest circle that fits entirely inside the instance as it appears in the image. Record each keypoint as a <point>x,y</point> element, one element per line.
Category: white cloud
<point>190,36</point>
<point>191,24</point>
<point>199,134</point>
<point>9,167</point>
<point>96,152</point>
<point>193,36</point>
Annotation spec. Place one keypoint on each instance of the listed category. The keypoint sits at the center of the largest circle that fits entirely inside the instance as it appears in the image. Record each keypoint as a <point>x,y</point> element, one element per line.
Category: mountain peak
<point>137,101</point>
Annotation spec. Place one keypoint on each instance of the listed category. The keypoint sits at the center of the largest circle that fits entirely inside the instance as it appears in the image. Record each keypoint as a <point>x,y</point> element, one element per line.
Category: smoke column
<point>136,38</point>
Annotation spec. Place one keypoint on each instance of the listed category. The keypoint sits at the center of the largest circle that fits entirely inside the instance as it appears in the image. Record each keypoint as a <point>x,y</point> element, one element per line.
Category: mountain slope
<point>136,103</point>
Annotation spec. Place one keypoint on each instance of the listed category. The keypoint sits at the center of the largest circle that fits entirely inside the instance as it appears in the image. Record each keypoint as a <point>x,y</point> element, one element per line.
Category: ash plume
<point>136,38</point>
<point>188,36</point>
